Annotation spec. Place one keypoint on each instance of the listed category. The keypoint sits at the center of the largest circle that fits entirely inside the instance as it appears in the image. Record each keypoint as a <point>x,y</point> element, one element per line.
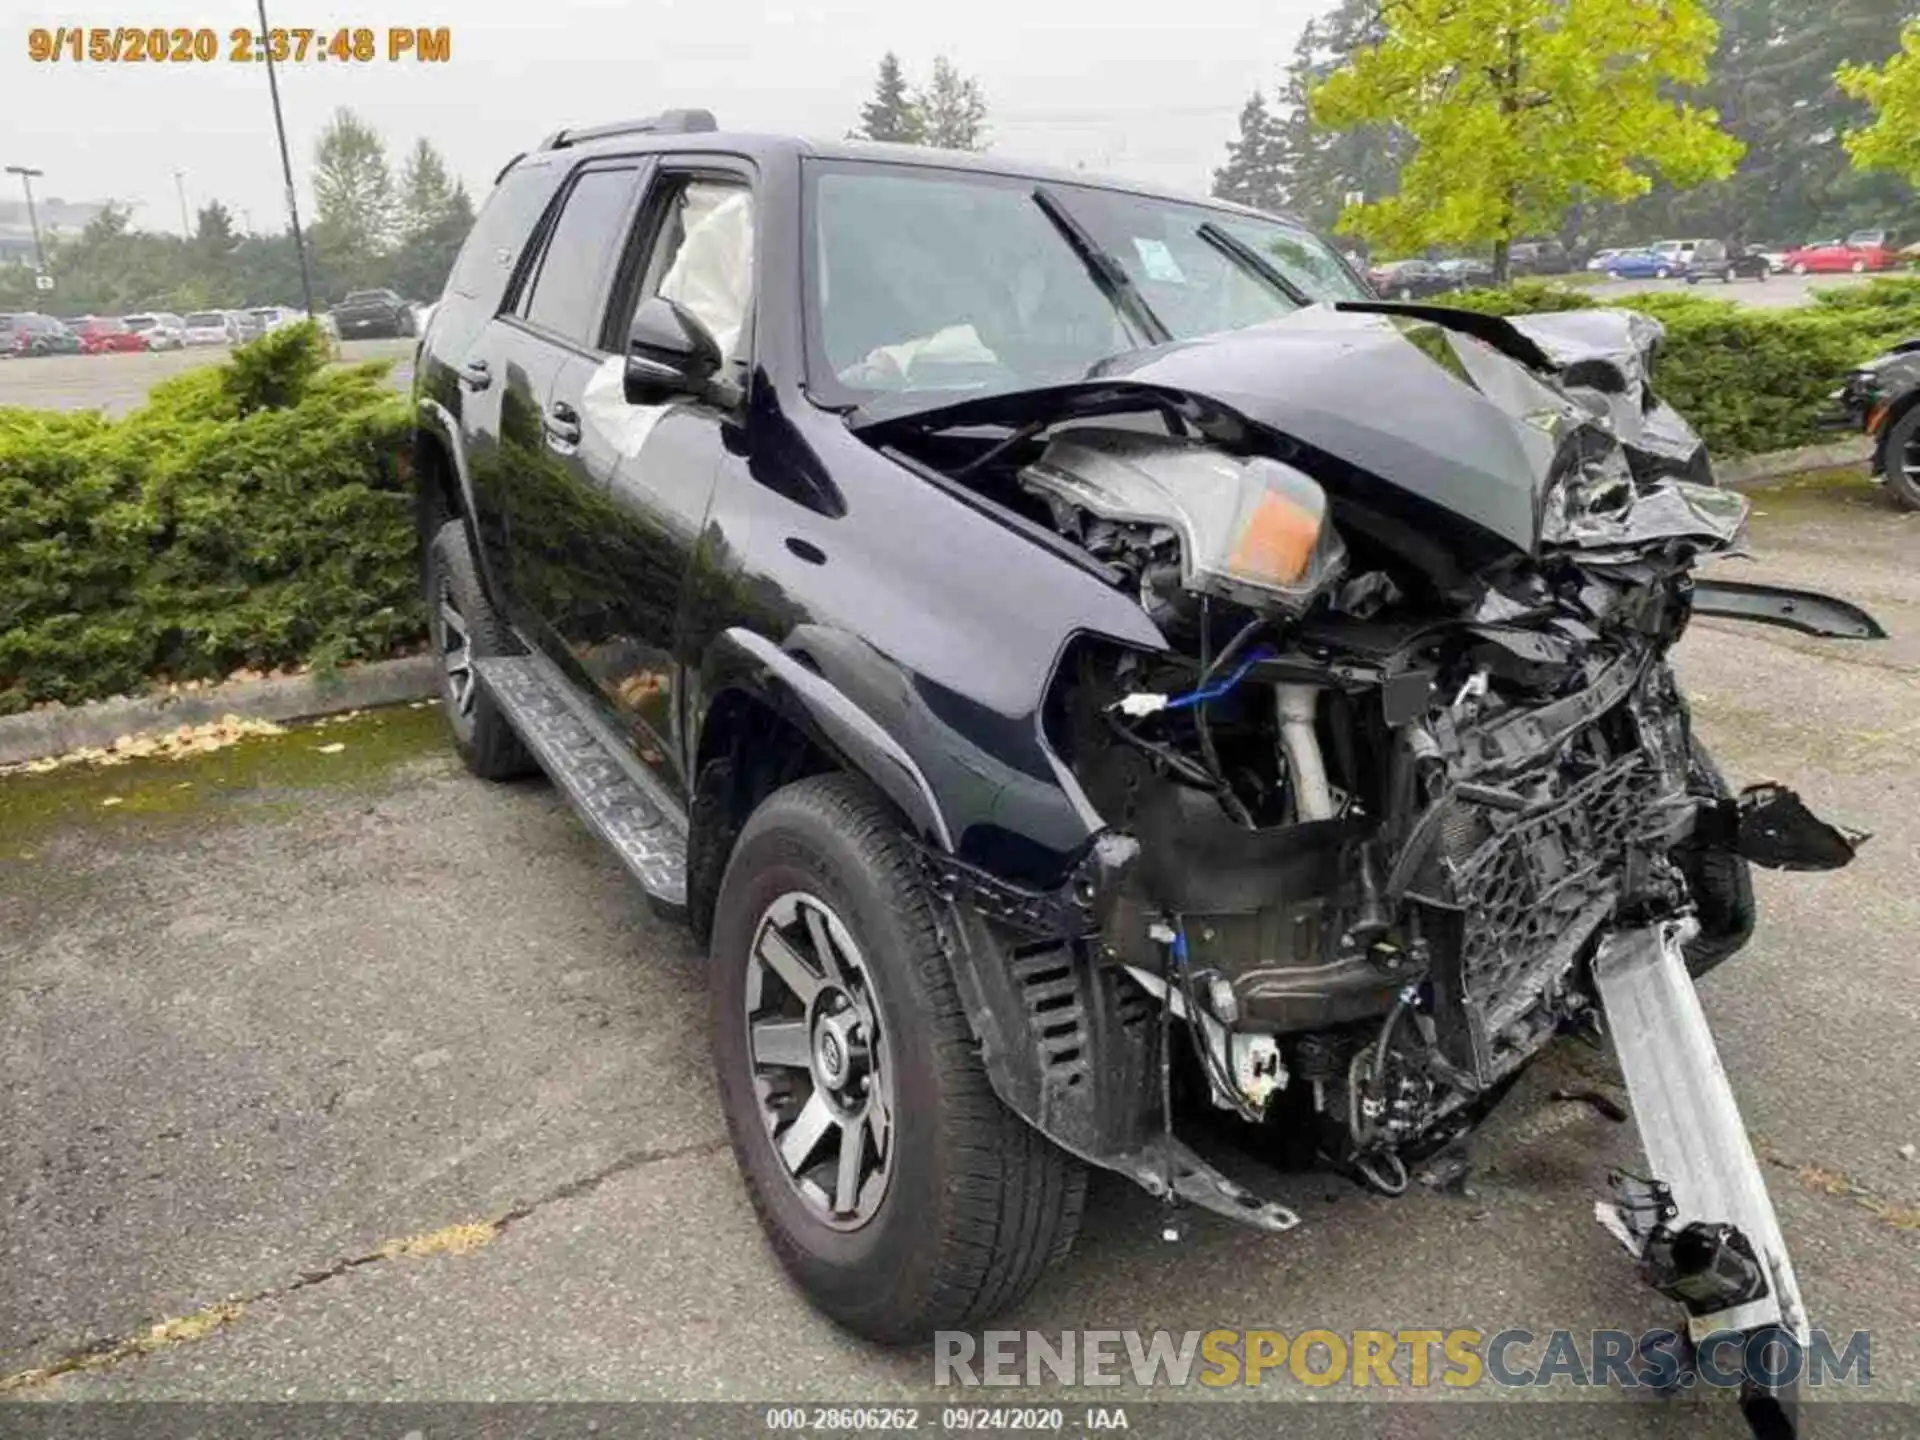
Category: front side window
<point>566,292</point>
<point>701,256</point>
<point>948,283</point>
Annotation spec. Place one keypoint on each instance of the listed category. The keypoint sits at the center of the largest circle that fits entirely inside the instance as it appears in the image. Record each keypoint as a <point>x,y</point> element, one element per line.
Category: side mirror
<point>669,353</point>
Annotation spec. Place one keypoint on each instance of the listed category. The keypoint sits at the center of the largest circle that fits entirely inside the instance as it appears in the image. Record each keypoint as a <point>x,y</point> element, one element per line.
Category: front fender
<point>740,658</point>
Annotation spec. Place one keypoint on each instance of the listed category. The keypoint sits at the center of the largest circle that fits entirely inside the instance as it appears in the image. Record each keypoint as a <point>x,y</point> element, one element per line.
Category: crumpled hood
<point>1426,407</point>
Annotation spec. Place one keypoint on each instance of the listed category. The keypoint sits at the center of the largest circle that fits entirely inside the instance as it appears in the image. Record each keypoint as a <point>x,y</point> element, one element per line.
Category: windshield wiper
<point>1251,261</point>
<point>1107,272</point>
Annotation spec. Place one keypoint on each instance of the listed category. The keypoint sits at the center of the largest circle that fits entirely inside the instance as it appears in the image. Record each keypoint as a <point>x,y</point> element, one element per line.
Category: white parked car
<point>212,327</point>
<point>162,329</point>
<point>269,318</point>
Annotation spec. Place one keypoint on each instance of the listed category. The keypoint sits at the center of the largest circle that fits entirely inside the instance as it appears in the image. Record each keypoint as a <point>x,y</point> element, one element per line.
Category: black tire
<point>977,1202</point>
<point>481,734</point>
<point>1720,881</point>
<point>1903,439</point>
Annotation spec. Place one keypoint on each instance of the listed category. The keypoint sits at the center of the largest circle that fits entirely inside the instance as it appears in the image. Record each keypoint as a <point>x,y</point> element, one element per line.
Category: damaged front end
<point>1411,787</point>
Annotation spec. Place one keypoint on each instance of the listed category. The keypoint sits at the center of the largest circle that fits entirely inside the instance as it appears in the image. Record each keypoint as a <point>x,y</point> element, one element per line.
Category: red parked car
<point>1861,251</point>
<point>101,335</point>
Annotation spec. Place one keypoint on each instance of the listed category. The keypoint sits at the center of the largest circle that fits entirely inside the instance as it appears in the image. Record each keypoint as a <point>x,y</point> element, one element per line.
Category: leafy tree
<point>1773,83</point>
<point>1892,92</point>
<point>354,192</point>
<point>892,114</point>
<point>1254,173</point>
<point>954,108</point>
<point>1517,107</point>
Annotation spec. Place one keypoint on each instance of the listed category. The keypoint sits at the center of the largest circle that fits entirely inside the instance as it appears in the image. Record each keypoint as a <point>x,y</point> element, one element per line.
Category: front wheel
<point>1800,267</point>
<point>1858,267</point>
<point>1901,453</point>
<point>895,1188</point>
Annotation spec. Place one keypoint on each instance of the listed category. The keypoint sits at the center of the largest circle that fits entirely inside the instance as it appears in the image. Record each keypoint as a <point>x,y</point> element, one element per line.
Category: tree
<point>954,108</point>
<point>1892,93</point>
<point>213,235</point>
<point>1319,166</point>
<point>354,192</point>
<point>892,114</point>
<point>1254,173</point>
<point>426,193</point>
<point>1773,84</point>
<point>1518,107</point>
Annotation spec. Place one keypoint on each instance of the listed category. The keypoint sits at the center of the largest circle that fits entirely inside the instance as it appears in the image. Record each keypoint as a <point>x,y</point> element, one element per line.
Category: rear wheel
<point>463,629</point>
<point>895,1188</point>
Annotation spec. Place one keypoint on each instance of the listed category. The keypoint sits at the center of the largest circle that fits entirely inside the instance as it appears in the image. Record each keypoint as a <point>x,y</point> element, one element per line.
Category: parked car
<point>212,327</point>
<point>1861,251</point>
<point>1467,271</point>
<point>1012,619</point>
<point>161,329</point>
<point>1717,260</point>
<point>1678,253</point>
<point>269,318</point>
<point>366,314</point>
<point>1538,257</point>
<point>102,335</point>
<point>1599,258</point>
<point>31,334</point>
<point>1882,399</point>
<point>1642,265</point>
<point>1412,280</point>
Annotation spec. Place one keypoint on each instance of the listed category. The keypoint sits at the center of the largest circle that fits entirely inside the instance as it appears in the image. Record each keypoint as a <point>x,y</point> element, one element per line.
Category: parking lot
<point>1776,292</point>
<point>383,1083</point>
<point>117,383</point>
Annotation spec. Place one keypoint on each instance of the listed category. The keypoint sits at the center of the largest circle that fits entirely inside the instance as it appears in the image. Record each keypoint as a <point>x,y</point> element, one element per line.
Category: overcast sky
<point>1153,96</point>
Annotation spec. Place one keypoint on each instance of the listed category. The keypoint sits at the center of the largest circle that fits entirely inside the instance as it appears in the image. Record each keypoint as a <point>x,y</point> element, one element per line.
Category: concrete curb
<point>1746,471</point>
<point>294,697</point>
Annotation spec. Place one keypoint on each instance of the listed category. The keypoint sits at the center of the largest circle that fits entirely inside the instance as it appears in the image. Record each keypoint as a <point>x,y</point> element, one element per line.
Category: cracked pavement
<point>263,1046</point>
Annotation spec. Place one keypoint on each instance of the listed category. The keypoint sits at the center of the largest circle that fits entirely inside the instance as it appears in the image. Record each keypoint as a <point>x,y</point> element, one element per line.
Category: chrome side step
<point>1689,1122</point>
<point>626,807</point>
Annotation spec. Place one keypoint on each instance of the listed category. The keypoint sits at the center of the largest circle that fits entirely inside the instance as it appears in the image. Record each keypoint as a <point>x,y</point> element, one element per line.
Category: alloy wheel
<point>456,651</point>
<point>818,1054</point>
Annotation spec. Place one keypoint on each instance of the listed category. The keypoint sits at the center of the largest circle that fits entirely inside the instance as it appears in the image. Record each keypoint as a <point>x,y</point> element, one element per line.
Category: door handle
<point>476,375</point>
<point>562,423</point>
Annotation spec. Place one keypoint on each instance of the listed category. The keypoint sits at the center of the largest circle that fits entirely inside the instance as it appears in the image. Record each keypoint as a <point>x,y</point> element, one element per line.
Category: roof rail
<point>667,122</point>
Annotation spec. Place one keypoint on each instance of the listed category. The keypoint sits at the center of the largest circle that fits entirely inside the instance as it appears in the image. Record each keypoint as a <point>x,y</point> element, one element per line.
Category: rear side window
<point>500,234</point>
<point>567,292</point>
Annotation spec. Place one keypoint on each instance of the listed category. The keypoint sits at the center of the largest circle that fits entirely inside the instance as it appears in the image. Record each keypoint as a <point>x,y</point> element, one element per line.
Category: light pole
<point>180,186</point>
<point>286,163</point>
<point>27,176</point>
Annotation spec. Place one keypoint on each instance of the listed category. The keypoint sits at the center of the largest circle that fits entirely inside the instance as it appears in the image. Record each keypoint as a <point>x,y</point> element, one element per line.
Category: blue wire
<point>1219,687</point>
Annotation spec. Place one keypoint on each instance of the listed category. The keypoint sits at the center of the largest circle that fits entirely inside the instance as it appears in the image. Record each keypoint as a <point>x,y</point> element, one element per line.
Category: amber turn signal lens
<point>1277,544</point>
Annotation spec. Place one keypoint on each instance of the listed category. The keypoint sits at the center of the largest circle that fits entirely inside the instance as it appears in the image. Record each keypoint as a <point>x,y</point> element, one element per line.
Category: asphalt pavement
<point>117,383</point>
<point>383,1083</point>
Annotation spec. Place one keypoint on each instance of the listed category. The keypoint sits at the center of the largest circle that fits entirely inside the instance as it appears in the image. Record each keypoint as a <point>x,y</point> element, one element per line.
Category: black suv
<point>367,314</point>
<point>1075,657</point>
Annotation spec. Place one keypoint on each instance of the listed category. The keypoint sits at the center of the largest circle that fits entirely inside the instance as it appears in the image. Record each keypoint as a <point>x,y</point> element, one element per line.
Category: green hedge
<point>252,514</point>
<point>1749,379</point>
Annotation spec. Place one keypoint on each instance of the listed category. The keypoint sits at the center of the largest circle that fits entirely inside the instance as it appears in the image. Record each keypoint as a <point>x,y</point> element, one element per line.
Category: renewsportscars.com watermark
<point>1411,1359</point>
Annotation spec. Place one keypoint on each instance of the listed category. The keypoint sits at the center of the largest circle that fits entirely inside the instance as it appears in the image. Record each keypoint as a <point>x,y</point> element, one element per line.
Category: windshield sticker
<point>1158,260</point>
